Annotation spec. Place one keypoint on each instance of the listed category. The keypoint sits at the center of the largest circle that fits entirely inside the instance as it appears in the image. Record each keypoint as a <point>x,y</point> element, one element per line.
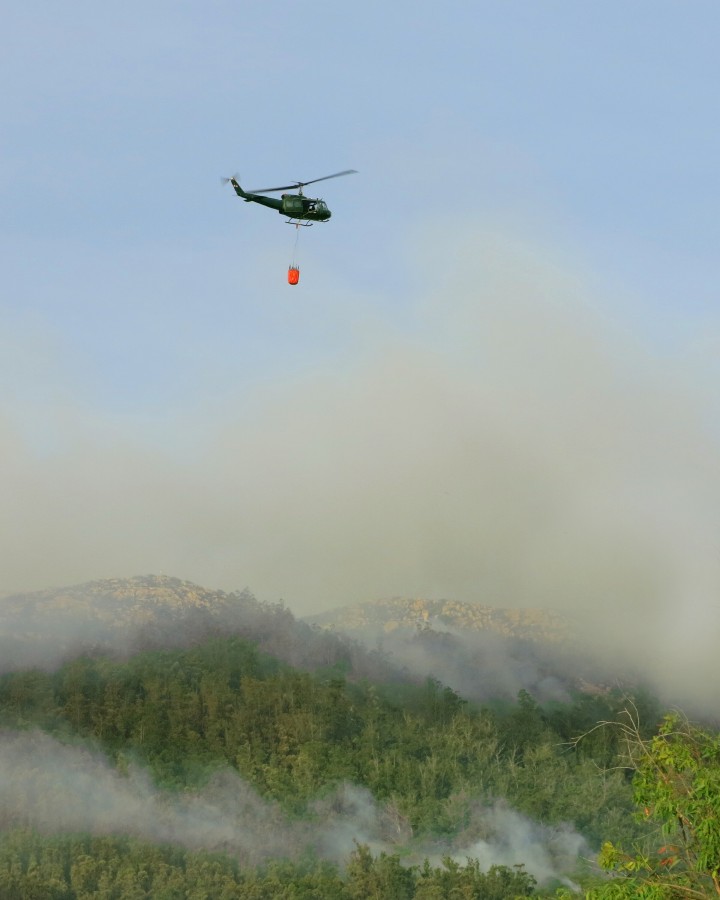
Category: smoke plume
<point>54,787</point>
<point>510,442</point>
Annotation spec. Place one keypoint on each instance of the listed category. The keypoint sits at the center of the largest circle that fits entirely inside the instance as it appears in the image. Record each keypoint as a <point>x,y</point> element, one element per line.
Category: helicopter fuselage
<point>294,206</point>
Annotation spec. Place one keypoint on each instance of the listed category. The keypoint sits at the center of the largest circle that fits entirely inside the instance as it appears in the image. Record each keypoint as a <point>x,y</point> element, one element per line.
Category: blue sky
<point>591,127</point>
<point>498,374</point>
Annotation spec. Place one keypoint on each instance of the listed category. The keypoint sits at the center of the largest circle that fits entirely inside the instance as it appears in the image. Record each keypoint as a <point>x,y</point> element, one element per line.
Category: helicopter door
<point>292,205</point>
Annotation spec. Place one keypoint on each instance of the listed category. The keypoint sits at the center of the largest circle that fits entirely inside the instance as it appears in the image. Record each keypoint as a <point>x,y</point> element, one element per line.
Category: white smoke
<point>55,787</point>
<point>511,443</point>
<point>547,852</point>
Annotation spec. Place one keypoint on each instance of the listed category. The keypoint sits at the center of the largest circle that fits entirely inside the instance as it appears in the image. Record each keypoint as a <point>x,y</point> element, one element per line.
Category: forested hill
<point>482,652</point>
<point>122,771</point>
<point>122,616</point>
<point>219,747</point>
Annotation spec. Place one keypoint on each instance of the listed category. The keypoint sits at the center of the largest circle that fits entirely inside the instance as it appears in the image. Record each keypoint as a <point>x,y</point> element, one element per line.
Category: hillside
<point>482,652</point>
<point>122,616</point>
<point>221,748</point>
<point>398,613</point>
<point>210,722</point>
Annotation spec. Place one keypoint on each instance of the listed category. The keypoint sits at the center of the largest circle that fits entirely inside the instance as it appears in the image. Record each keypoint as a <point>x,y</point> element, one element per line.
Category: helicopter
<point>299,209</point>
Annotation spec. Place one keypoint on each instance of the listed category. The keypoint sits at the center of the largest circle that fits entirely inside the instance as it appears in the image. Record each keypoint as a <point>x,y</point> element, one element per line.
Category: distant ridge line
<point>390,614</point>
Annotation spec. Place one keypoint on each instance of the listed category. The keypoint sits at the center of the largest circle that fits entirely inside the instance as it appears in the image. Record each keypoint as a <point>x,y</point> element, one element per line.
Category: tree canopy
<point>434,765</point>
<point>676,786</point>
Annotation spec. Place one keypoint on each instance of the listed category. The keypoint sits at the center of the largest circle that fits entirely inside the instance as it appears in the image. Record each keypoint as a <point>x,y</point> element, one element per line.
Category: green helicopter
<point>299,209</point>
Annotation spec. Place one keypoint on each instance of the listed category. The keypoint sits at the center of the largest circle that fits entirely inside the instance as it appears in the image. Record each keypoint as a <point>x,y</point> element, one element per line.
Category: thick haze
<point>497,379</point>
<point>512,448</point>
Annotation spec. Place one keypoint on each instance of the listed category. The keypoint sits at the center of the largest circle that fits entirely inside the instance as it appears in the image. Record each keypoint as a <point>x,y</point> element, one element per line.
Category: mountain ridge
<point>480,651</point>
<point>483,652</point>
<point>391,614</point>
<point>122,616</point>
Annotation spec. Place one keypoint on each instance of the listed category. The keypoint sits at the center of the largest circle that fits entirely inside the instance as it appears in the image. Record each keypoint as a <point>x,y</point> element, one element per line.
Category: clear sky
<point>497,379</point>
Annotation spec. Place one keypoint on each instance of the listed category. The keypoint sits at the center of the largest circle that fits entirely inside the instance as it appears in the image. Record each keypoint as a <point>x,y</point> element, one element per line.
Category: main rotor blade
<point>285,187</point>
<point>325,177</point>
<point>301,184</point>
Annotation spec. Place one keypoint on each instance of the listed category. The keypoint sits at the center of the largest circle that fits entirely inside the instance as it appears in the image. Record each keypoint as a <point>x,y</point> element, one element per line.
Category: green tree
<point>378,877</point>
<point>469,882</point>
<point>676,785</point>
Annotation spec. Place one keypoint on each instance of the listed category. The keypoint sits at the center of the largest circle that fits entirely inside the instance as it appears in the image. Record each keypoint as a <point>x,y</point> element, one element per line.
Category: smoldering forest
<point>55,787</point>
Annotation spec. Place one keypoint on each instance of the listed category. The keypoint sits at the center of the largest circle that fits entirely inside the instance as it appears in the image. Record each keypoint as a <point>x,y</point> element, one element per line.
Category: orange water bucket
<point>293,275</point>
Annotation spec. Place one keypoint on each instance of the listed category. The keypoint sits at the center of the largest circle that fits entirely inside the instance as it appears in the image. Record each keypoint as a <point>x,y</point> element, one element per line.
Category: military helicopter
<point>299,209</point>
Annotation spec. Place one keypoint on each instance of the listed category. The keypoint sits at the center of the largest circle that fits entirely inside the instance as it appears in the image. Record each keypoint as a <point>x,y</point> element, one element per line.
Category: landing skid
<point>298,224</point>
